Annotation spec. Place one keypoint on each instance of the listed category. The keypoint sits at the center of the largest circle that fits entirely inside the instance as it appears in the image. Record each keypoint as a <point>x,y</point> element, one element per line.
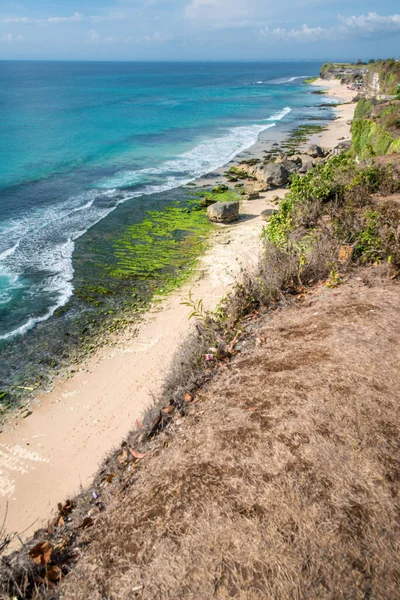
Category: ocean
<point>86,150</point>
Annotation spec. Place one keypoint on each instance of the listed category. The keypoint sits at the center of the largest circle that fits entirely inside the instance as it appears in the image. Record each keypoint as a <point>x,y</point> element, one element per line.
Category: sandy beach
<point>51,454</point>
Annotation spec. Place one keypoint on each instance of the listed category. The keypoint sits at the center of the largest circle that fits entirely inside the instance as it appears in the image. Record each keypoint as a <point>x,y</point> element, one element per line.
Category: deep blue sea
<point>78,140</point>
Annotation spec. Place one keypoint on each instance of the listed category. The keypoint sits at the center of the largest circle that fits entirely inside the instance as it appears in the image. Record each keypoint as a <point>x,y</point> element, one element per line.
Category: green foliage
<point>197,307</point>
<point>368,242</point>
<point>310,80</point>
<point>220,189</point>
<point>371,138</point>
<point>280,224</point>
<point>321,183</point>
<point>394,146</point>
<point>363,109</point>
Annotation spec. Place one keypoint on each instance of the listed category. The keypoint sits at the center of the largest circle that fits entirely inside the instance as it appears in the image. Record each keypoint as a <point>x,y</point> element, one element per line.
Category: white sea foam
<point>42,244</point>
<point>281,81</point>
<point>280,115</point>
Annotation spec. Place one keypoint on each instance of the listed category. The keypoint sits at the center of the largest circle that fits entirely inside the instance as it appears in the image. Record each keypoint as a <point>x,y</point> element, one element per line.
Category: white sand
<point>48,456</point>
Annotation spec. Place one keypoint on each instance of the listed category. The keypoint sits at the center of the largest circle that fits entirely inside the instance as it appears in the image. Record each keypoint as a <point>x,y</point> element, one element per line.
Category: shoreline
<point>56,450</point>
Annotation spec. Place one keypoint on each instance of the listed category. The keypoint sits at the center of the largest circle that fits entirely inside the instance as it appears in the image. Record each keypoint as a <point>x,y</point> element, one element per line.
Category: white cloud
<point>114,16</point>
<point>223,10</point>
<point>370,25</point>
<point>94,37</point>
<point>10,38</point>
<point>158,38</point>
<point>75,18</point>
<point>15,20</point>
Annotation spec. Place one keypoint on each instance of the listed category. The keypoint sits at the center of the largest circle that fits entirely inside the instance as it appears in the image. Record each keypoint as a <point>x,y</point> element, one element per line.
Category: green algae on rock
<point>162,247</point>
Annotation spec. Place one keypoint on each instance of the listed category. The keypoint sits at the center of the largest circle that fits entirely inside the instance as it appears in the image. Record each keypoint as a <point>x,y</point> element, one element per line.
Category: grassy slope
<point>282,480</point>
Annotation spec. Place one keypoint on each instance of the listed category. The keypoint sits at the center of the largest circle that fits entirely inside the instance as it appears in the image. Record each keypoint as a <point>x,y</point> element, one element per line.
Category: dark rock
<point>275,174</point>
<point>290,165</point>
<point>223,212</point>
<point>254,195</point>
<point>342,147</point>
<point>268,212</point>
<point>315,151</point>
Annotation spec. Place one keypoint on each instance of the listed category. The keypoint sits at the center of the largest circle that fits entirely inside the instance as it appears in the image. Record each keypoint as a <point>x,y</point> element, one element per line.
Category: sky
<point>199,29</point>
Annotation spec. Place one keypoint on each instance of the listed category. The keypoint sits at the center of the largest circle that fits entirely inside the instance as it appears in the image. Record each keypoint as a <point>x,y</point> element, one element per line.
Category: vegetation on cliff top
<point>376,128</point>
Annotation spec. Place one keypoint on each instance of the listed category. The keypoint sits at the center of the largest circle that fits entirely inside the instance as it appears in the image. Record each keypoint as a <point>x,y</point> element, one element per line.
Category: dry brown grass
<point>283,480</point>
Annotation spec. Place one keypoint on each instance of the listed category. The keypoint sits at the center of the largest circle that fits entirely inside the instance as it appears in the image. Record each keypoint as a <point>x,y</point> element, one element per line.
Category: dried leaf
<point>139,424</point>
<point>66,508</point>
<point>188,397</point>
<point>87,522</point>
<point>108,478</point>
<point>345,253</point>
<point>53,574</point>
<point>168,410</point>
<point>59,522</point>
<point>137,455</point>
<point>155,425</point>
<point>41,553</point>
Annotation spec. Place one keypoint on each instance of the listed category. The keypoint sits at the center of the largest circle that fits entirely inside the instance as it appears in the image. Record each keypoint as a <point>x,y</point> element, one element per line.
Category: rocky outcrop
<point>342,147</point>
<point>304,162</point>
<point>274,174</point>
<point>223,212</point>
<point>315,151</point>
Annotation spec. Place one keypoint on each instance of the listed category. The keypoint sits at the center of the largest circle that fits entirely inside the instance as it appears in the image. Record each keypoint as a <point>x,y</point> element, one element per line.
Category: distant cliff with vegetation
<point>376,125</point>
<point>378,77</point>
<point>383,77</point>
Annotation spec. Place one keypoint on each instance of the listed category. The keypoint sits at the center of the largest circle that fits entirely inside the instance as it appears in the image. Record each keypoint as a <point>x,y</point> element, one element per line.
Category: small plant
<point>197,307</point>
<point>335,278</point>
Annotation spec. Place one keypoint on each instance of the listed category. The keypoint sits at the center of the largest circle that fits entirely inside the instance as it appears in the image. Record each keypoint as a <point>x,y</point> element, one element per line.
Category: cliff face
<point>382,78</point>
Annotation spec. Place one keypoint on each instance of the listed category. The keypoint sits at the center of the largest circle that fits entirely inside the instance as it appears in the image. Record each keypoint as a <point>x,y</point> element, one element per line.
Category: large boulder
<point>304,162</point>
<point>223,212</point>
<point>291,165</point>
<point>275,174</point>
<point>315,151</point>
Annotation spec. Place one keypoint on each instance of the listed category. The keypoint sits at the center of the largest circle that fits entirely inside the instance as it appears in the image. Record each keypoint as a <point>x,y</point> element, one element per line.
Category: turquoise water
<point>80,140</point>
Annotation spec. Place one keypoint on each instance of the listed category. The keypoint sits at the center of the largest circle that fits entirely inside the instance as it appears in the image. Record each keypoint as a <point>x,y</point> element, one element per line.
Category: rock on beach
<point>223,212</point>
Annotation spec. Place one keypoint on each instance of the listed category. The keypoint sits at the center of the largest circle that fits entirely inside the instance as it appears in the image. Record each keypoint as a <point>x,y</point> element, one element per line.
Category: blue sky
<point>199,29</point>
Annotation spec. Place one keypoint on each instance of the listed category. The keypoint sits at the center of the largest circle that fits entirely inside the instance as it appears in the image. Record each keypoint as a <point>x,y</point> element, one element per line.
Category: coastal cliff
<point>376,125</point>
<point>276,428</point>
